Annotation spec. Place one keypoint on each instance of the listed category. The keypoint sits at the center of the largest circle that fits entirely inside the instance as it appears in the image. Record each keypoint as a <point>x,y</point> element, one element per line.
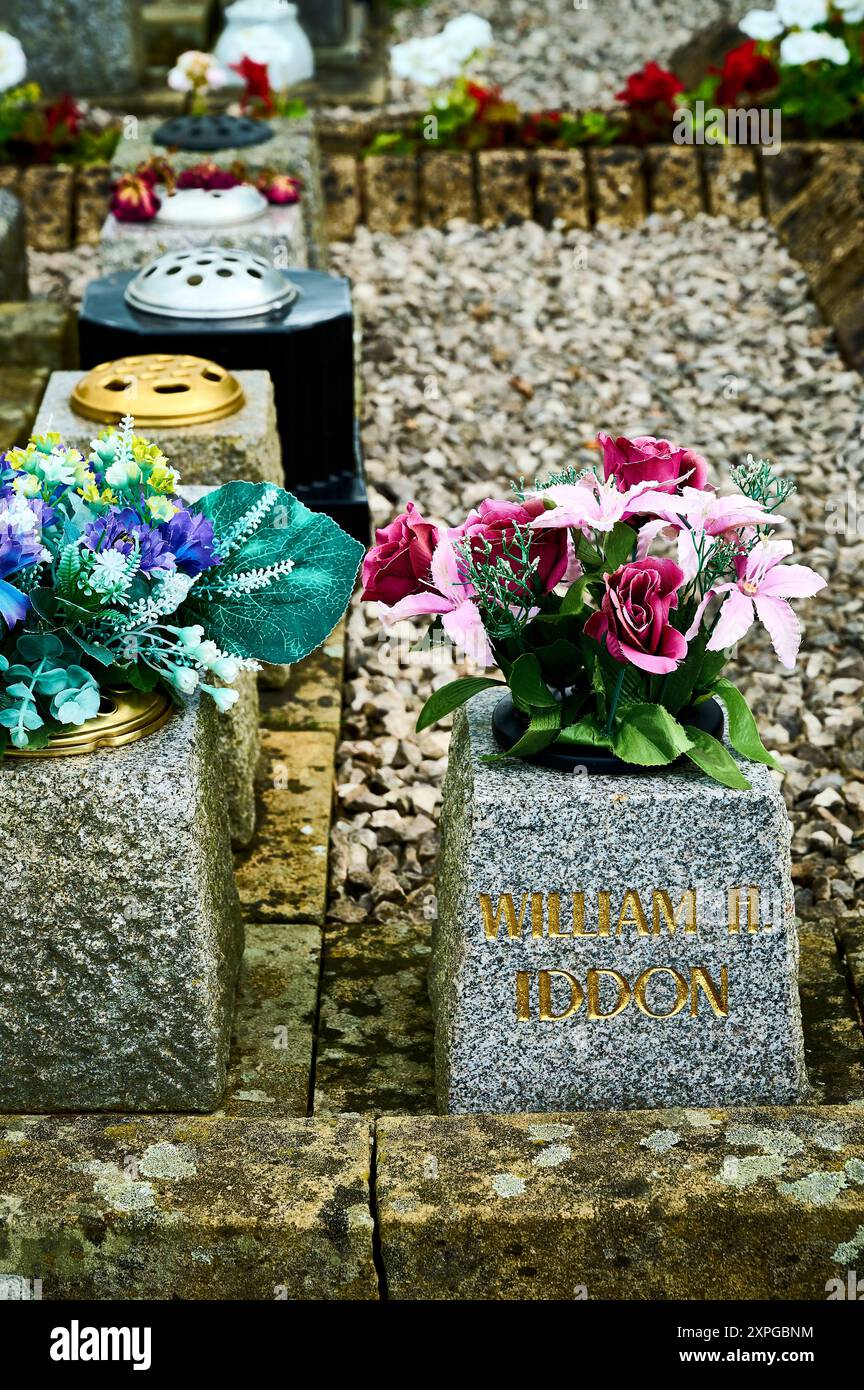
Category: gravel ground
<point>494,355</point>
<point>566,53</point>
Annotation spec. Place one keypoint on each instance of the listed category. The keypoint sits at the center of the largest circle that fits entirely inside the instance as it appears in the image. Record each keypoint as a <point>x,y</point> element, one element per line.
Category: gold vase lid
<point>159,389</point>
<point>125,716</point>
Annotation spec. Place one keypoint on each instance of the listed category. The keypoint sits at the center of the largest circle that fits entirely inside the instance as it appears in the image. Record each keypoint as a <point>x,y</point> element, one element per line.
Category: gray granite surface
<point>13,248</point>
<point>733,1034</point>
<point>120,937</point>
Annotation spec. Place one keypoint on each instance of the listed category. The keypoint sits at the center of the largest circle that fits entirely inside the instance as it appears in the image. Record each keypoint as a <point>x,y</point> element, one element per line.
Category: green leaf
<point>560,662</point>
<point>712,665</point>
<point>527,686</point>
<point>451,696</point>
<point>676,690</point>
<point>93,650</point>
<point>296,611</point>
<point>743,733</point>
<point>588,730</point>
<point>587,554</point>
<point>711,756</point>
<point>574,599</point>
<point>619,545</point>
<point>542,730</point>
<point>35,646</point>
<point>649,735</point>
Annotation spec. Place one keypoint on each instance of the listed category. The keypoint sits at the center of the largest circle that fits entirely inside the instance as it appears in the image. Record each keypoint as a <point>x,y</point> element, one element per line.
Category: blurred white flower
<point>802,14</point>
<point>852,10</point>
<point>194,70</point>
<point>436,59</point>
<point>808,47</point>
<point>761,24</point>
<point>13,62</point>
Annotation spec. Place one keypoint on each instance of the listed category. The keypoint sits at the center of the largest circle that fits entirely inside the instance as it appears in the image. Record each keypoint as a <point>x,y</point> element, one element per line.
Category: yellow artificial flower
<point>163,479</point>
<point>161,509</point>
<point>26,484</point>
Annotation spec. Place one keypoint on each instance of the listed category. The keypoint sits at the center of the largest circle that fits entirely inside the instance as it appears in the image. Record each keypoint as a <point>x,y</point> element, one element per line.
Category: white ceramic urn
<point>267,31</point>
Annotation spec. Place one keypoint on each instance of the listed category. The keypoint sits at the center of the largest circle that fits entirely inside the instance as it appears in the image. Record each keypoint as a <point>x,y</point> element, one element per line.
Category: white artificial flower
<point>809,47</point>
<point>109,571</point>
<point>223,696</point>
<point>56,468</point>
<point>440,57</point>
<point>852,10</point>
<point>467,34</point>
<point>761,24</point>
<point>196,69</point>
<point>185,679</point>
<point>802,14</point>
<point>13,61</point>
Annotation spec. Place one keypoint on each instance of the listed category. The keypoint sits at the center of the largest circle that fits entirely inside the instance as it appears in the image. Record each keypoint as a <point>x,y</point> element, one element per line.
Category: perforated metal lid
<point>211,132</point>
<point>211,207</point>
<point>210,282</point>
<point>163,389</point>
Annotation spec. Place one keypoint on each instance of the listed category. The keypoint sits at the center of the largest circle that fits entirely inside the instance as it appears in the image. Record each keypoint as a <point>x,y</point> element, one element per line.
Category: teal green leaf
<point>443,702</point>
<point>743,733</point>
<point>649,735</point>
<point>714,759</point>
<point>296,611</point>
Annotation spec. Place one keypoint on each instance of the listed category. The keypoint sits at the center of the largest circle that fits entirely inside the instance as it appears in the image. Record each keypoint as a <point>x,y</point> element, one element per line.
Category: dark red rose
<point>493,525</point>
<point>744,70</point>
<point>207,175</point>
<point>633,619</point>
<point>134,200</point>
<point>257,80</point>
<point>650,86</point>
<point>279,188</point>
<point>398,563</point>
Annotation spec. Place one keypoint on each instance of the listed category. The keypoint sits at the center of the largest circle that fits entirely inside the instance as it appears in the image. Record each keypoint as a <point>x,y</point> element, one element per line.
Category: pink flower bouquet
<point>609,604</point>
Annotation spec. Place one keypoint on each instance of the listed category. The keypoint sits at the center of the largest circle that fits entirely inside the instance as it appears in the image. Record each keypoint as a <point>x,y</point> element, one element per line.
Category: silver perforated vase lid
<point>210,282</point>
<point>211,207</point>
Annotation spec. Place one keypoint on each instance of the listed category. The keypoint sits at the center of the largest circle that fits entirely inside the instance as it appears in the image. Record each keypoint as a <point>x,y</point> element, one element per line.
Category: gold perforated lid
<point>158,389</point>
<point>125,716</point>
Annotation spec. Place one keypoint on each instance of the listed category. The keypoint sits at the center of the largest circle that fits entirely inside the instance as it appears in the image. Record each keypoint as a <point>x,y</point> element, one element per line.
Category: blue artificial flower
<point>121,528</point>
<point>189,537</point>
<point>17,550</point>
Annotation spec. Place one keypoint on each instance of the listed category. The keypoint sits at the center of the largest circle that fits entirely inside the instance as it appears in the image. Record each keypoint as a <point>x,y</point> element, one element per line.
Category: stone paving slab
<point>283,876</point>
<point>272,1046</point>
<point>37,332</point>
<point>698,1204</point>
<point>102,1207</point>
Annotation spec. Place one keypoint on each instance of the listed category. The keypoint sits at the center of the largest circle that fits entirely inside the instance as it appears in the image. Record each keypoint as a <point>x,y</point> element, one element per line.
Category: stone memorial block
<point>611,942</point>
<point>121,936</point>
<point>244,445</point>
<point>240,746</point>
<point>82,46</point>
<point>13,248</point>
<point>277,234</point>
<point>292,149</point>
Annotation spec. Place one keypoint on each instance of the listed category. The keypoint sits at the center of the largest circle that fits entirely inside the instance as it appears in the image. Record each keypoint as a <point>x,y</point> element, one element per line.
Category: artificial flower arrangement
<point>610,604</point>
<point>134,197</point>
<point>108,578</point>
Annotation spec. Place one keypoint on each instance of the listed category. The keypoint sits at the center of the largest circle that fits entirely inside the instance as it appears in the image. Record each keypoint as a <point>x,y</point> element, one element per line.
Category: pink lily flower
<point>762,590</point>
<point>697,513</point>
<point>451,597</point>
<point>596,506</point>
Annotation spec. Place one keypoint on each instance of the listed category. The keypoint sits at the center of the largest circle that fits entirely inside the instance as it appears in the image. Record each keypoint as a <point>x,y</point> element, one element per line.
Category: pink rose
<point>633,617</point>
<point>398,563</point>
<point>645,459</point>
<point>495,523</point>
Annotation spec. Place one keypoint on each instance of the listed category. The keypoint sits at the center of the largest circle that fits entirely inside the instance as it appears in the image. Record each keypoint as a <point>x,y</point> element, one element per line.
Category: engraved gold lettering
<point>579,916</point>
<point>593,981</point>
<point>523,998</point>
<point>719,1002</point>
<point>632,914</point>
<point>603,914</point>
<point>544,978</point>
<point>536,914</point>
<point>753,924</point>
<point>661,906</point>
<point>641,985</point>
<point>553,915</point>
<point>506,911</point>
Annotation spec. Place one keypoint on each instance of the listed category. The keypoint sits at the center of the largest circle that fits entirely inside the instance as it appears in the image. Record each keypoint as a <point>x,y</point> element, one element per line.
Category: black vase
<point>509,724</point>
